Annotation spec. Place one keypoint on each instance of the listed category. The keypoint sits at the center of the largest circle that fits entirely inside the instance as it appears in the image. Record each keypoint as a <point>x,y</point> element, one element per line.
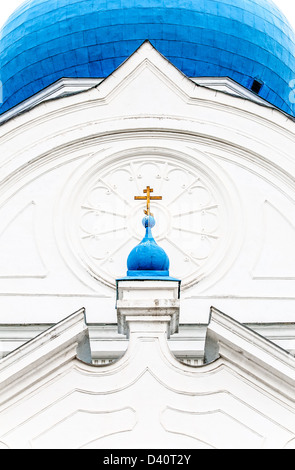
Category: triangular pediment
<point>146,71</point>
<point>146,66</point>
<point>147,62</point>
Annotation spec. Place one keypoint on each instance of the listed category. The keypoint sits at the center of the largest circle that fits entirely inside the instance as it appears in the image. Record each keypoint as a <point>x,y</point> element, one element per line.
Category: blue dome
<point>148,259</point>
<point>246,40</point>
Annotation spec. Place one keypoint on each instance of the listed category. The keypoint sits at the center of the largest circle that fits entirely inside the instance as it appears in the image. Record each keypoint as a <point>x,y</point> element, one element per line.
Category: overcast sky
<point>286,6</point>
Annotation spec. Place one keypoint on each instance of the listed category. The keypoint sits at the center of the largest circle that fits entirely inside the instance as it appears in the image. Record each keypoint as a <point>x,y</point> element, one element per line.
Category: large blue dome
<point>246,40</point>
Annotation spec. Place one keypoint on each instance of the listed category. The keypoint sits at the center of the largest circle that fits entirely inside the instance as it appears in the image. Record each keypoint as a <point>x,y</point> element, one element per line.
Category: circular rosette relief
<point>194,219</point>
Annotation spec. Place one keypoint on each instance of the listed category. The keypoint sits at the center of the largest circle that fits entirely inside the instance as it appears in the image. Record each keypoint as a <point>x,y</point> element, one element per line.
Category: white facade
<point>51,397</point>
<point>224,164</point>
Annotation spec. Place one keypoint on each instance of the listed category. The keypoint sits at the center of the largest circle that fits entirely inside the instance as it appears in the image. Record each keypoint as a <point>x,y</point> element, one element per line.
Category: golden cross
<point>148,198</point>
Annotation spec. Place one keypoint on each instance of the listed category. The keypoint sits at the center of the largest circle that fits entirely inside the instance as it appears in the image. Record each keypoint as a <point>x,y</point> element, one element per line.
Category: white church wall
<point>148,399</point>
<point>234,157</point>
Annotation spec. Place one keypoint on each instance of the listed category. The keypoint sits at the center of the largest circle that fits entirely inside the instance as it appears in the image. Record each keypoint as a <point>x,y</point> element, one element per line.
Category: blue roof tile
<point>44,40</point>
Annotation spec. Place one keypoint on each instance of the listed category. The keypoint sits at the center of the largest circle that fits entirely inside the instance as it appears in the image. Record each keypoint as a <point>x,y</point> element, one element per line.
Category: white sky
<point>286,6</point>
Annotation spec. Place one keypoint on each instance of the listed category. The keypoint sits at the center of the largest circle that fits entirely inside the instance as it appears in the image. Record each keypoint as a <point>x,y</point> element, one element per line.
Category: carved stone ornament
<point>103,221</point>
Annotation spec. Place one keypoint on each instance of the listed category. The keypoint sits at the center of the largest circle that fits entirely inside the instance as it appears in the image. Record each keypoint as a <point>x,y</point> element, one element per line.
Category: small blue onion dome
<point>148,259</point>
<point>249,41</point>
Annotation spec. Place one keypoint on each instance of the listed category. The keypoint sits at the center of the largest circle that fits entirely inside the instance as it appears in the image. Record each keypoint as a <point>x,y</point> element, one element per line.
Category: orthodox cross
<point>148,198</point>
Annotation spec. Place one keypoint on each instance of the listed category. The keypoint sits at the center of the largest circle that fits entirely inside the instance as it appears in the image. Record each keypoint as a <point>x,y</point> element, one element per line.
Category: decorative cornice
<point>228,339</point>
<point>62,342</point>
